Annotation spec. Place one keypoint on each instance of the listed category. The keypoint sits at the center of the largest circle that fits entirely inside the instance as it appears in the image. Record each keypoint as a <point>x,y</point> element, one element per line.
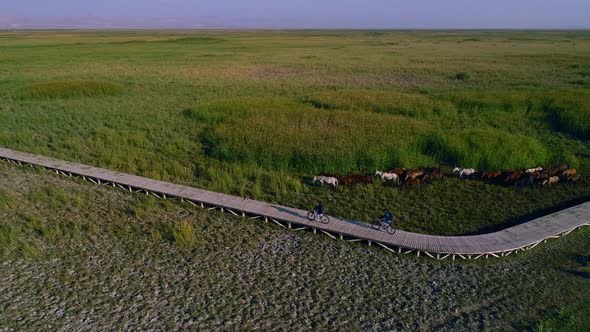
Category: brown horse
<point>345,180</point>
<point>574,178</point>
<point>430,177</point>
<point>412,182</point>
<point>570,172</point>
<point>554,170</point>
<point>414,174</point>
<point>362,179</point>
<point>431,169</point>
<point>525,181</point>
<point>540,177</point>
<point>490,175</point>
<point>512,176</point>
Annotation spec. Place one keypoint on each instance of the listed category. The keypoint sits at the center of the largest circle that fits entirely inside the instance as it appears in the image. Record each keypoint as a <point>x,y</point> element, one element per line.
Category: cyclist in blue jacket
<point>386,218</point>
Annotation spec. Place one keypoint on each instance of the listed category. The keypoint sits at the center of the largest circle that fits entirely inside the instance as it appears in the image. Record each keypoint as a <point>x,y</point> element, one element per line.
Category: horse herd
<point>524,177</point>
<point>402,176</point>
<point>416,177</point>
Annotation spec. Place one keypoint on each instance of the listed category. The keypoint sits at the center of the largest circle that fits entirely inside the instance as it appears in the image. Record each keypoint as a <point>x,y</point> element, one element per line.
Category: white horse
<point>387,176</point>
<point>326,179</point>
<point>463,171</point>
<point>534,170</point>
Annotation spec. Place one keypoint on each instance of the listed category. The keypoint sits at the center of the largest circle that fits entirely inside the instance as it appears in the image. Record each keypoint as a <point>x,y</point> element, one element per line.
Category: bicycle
<point>379,225</point>
<point>312,216</point>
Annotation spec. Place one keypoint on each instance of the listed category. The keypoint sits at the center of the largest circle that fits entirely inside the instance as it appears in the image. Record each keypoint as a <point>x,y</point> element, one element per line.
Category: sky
<point>354,14</point>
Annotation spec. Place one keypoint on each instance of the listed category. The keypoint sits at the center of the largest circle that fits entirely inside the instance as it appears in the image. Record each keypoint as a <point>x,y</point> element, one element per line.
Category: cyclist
<point>386,218</point>
<point>318,211</point>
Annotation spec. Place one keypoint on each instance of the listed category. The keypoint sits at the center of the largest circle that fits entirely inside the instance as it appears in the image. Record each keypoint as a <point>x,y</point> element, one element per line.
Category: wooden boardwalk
<point>498,244</point>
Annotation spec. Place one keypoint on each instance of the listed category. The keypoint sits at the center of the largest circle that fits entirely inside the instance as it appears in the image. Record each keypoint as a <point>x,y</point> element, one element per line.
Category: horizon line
<point>41,28</point>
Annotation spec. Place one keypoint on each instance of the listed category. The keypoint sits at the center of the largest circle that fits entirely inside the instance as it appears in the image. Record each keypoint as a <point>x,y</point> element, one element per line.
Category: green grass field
<point>257,113</point>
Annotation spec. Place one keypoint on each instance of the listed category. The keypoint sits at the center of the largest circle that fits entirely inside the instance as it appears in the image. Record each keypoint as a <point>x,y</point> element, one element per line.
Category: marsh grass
<point>571,112</point>
<point>271,109</point>
<point>184,234</point>
<point>387,102</point>
<point>16,241</point>
<point>69,89</point>
<point>7,199</point>
<point>286,136</point>
<point>486,149</point>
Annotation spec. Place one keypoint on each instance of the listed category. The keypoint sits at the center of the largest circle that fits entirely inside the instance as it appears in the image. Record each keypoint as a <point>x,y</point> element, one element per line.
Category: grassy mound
<point>284,135</point>
<point>486,149</point>
<point>571,113</point>
<point>70,88</point>
<point>387,102</point>
<point>477,101</point>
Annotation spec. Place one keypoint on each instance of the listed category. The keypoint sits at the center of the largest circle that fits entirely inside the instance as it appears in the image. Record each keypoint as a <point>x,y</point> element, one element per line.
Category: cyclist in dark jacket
<point>386,217</point>
<point>319,210</point>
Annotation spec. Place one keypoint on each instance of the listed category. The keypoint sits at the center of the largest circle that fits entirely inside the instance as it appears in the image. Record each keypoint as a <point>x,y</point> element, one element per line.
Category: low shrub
<point>184,234</point>
<point>461,76</point>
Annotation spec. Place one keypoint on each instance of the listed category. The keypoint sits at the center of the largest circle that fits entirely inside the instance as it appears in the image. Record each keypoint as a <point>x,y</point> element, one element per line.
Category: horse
<point>464,171</point>
<point>512,176</point>
<point>554,170</point>
<point>401,172</point>
<point>534,170</point>
<point>540,177</point>
<point>429,177</point>
<point>414,174</point>
<point>412,182</point>
<point>326,179</point>
<point>387,176</point>
<point>526,181</point>
<point>551,180</point>
<point>574,178</point>
<point>431,170</point>
<point>490,175</point>
<point>570,172</point>
<point>345,180</point>
<point>364,179</point>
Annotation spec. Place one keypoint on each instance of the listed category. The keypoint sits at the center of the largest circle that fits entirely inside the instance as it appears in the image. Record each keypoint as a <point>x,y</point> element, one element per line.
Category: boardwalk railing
<point>498,244</point>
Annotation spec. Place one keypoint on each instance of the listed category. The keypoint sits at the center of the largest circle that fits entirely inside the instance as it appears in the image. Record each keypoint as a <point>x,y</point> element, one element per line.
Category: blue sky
<point>299,13</point>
